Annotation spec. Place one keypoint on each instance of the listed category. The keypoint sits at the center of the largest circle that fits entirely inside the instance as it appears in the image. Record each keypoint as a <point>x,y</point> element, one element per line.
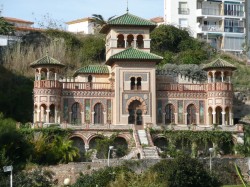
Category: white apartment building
<point>222,23</point>
<point>82,26</point>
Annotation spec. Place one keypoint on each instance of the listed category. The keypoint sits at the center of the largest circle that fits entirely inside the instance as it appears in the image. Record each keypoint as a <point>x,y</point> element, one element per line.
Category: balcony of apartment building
<point>234,26</point>
<point>209,9</point>
<point>234,9</point>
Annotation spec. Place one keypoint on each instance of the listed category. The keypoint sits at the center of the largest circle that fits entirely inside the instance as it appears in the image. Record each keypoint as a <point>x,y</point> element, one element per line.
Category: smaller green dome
<point>219,63</point>
<point>46,60</point>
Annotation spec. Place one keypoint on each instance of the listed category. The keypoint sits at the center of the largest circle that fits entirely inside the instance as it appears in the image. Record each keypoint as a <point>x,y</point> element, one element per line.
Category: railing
<point>181,87</point>
<point>211,11</point>
<point>235,29</point>
<point>221,86</point>
<point>184,11</point>
<point>86,86</point>
<point>234,13</point>
<point>212,28</point>
<point>47,84</point>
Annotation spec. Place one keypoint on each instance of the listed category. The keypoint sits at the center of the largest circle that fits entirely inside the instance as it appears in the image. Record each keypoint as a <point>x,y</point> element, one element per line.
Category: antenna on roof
<point>127,5</point>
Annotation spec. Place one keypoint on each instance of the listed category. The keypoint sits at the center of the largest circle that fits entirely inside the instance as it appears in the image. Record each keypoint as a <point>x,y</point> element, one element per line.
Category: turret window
<point>132,83</point>
<point>130,40</point>
<point>120,41</point>
<point>139,42</point>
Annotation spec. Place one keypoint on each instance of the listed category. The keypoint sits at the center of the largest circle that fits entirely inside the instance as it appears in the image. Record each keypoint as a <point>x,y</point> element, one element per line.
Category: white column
<point>55,76</point>
<point>47,74</point>
<point>197,118</point>
<point>134,43</point>
<point>105,117</point>
<point>47,116</point>
<point>213,76</point>
<point>83,117</point>
<point>70,114</point>
<point>56,121</point>
<point>163,118</point>
<point>214,117</point>
<point>38,115</point>
<point>230,119</point>
<point>92,117</point>
<point>222,76</point>
<point>223,117</point>
<point>185,120</point>
<point>176,118</point>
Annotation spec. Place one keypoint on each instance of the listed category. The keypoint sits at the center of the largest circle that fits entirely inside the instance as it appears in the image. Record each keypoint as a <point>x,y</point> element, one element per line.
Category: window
<point>183,8</point>
<point>120,41</point>
<point>233,10</point>
<point>98,115</point>
<point>139,42</point>
<point>130,40</point>
<point>132,83</point>
<point>183,22</point>
<point>169,114</point>
<point>76,114</point>
<point>138,83</point>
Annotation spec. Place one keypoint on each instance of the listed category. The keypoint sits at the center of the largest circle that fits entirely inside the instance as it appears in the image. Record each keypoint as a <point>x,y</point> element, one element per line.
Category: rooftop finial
<point>127,5</point>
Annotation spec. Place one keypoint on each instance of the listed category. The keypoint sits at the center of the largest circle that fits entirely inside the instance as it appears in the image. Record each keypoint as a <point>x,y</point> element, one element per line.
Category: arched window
<point>132,83</point>
<point>76,114</point>
<point>138,83</point>
<point>130,40</point>
<point>191,114</point>
<point>98,116</point>
<point>120,41</point>
<point>135,113</point>
<point>139,42</point>
<point>169,114</point>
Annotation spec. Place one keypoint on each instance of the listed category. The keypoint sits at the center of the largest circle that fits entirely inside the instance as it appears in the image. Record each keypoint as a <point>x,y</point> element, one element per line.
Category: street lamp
<point>110,148</point>
<point>211,150</point>
<point>9,169</point>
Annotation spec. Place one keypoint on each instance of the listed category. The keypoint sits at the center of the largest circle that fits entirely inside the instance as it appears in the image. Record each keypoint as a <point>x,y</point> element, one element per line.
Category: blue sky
<point>68,10</point>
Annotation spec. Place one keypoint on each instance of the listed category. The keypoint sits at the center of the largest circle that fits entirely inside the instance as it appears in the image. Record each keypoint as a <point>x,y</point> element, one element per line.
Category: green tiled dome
<point>128,20</point>
<point>218,63</point>
<point>92,69</point>
<point>46,60</point>
<point>132,54</point>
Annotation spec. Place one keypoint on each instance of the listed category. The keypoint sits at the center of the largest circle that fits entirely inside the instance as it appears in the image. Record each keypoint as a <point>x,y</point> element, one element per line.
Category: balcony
<point>211,28</point>
<point>86,86</point>
<point>181,87</point>
<point>183,11</point>
<point>208,12</point>
<point>234,13</point>
<point>235,29</point>
<point>47,84</point>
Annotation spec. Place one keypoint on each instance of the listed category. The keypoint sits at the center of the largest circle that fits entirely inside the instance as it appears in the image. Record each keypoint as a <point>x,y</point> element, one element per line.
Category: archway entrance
<point>218,111</point>
<point>135,113</point>
<point>191,114</point>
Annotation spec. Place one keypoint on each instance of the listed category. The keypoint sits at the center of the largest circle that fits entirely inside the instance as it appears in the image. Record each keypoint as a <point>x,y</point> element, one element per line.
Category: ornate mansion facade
<point>129,90</point>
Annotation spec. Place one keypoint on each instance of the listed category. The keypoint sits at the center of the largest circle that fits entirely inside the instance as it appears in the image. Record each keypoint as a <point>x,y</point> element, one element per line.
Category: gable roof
<point>46,60</point>
<point>17,20</point>
<point>218,63</point>
<point>92,69</point>
<point>132,54</point>
<point>128,20</point>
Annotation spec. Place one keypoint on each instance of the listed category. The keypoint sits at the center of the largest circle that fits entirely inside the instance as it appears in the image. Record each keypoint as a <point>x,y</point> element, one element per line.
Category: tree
<point>6,28</point>
<point>99,20</point>
<point>184,171</point>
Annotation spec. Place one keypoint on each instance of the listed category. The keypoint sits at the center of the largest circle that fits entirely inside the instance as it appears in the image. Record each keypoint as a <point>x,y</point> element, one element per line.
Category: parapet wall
<point>72,170</point>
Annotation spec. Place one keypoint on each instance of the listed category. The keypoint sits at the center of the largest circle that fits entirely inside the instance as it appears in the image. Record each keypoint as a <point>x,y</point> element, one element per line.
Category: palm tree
<point>100,21</point>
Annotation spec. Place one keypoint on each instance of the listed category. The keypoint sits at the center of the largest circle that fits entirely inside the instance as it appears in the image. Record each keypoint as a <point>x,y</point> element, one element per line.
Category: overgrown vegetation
<point>172,143</point>
<point>182,171</point>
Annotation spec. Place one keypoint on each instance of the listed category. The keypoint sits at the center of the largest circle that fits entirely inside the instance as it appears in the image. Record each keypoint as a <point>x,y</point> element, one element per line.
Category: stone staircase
<point>150,153</point>
<point>143,137</point>
<point>147,150</point>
